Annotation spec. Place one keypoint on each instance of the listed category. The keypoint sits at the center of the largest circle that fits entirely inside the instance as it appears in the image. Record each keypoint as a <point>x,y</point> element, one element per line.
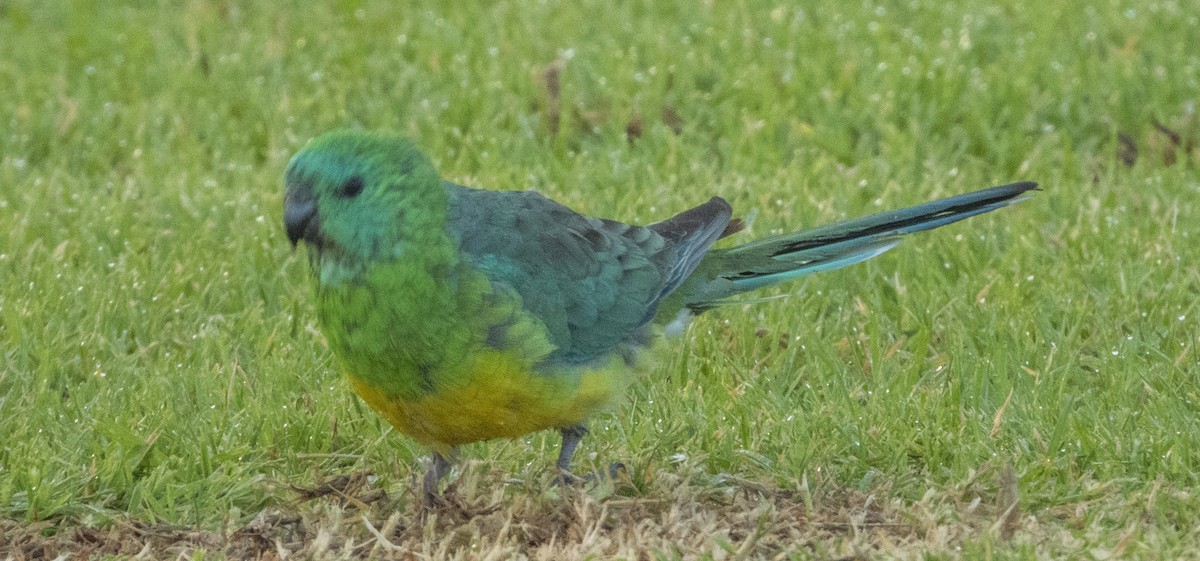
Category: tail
<point>728,272</point>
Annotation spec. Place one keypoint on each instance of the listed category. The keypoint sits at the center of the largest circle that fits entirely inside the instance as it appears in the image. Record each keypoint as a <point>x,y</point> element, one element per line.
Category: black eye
<point>351,188</point>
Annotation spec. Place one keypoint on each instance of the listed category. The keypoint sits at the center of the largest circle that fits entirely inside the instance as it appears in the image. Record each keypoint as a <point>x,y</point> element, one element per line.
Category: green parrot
<point>463,315</point>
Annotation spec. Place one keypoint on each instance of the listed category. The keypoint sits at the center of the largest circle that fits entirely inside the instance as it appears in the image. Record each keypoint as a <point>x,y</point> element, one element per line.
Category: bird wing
<point>593,283</point>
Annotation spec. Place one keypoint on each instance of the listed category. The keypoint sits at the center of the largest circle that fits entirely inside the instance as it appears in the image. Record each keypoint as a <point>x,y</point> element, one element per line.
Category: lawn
<point>1022,385</point>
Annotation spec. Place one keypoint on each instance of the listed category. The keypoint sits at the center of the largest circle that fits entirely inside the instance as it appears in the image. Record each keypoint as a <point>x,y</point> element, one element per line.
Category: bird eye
<point>351,188</point>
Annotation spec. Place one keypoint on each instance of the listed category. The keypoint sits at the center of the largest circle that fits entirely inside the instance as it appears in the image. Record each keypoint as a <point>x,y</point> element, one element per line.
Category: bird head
<point>357,195</point>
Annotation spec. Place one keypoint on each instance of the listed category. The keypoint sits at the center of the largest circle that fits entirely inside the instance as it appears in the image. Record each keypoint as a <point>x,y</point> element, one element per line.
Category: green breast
<point>406,325</point>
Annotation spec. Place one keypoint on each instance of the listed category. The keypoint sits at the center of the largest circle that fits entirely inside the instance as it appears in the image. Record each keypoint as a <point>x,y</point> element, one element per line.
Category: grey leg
<point>439,466</point>
<point>570,441</point>
<point>571,436</point>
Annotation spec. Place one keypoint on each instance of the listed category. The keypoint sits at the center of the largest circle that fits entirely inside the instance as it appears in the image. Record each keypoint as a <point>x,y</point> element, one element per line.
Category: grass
<point>1019,386</point>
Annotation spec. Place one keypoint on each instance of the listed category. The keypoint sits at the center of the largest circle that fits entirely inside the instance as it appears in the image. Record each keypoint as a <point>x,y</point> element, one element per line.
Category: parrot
<point>464,315</point>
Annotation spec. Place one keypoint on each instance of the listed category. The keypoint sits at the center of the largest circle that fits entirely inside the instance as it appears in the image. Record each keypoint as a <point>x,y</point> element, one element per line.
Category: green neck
<point>393,318</point>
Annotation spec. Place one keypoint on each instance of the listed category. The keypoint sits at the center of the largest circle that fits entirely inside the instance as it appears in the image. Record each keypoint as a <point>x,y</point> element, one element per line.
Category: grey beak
<point>300,215</point>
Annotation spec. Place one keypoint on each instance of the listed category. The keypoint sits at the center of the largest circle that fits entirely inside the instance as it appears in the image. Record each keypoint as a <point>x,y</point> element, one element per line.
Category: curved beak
<point>300,216</point>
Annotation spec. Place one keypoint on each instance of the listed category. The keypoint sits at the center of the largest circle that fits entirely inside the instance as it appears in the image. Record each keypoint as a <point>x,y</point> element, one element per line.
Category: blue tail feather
<point>768,261</point>
<point>862,253</point>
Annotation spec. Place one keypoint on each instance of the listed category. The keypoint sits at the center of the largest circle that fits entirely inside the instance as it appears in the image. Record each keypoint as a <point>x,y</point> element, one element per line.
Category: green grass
<point>160,364</point>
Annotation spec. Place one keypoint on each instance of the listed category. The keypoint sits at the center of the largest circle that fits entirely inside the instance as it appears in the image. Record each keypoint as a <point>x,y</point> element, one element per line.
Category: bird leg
<point>439,466</point>
<point>570,441</point>
<point>571,436</point>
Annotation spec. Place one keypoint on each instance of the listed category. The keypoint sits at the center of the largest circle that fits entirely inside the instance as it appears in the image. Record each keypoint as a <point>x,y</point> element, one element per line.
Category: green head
<point>356,196</point>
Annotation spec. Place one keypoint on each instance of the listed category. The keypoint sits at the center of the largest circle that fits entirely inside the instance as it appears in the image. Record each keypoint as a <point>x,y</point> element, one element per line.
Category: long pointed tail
<point>760,263</point>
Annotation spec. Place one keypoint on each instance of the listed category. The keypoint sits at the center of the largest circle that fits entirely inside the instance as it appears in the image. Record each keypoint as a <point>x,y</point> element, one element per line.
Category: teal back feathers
<point>594,283</point>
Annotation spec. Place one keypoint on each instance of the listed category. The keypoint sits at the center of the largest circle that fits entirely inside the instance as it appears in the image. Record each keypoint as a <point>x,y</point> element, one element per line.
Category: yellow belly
<point>499,397</point>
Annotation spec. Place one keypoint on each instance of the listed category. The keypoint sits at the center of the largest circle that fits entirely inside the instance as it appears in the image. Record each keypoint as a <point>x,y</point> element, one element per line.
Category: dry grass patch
<point>690,516</point>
